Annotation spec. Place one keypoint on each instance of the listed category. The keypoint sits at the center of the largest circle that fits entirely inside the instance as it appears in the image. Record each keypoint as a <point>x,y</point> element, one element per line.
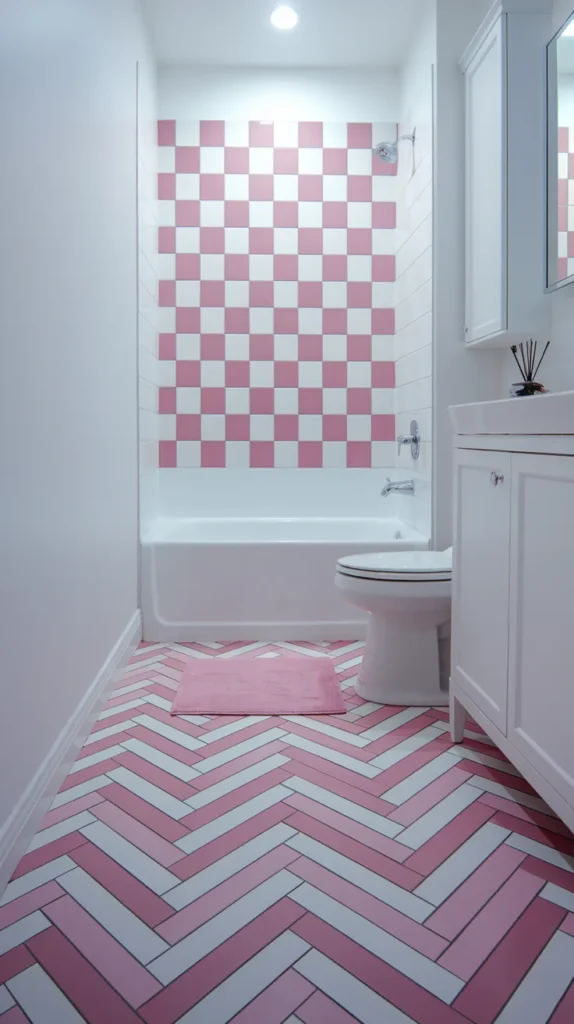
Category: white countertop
<point>540,414</point>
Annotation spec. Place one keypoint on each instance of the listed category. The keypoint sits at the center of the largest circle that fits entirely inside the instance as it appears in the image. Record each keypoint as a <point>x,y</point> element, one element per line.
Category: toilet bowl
<point>408,596</point>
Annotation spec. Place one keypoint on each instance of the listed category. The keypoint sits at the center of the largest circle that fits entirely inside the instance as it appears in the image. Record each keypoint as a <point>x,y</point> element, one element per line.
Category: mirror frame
<point>552,148</point>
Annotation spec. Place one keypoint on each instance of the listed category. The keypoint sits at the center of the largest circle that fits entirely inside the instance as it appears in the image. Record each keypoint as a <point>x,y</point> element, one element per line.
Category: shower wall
<point>277,269</point>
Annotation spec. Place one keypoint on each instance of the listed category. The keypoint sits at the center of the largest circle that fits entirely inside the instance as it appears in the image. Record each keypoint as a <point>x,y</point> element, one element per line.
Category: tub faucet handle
<point>413,439</point>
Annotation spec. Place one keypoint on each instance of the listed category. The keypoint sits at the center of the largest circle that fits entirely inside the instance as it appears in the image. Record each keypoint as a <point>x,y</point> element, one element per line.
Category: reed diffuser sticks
<point>525,358</point>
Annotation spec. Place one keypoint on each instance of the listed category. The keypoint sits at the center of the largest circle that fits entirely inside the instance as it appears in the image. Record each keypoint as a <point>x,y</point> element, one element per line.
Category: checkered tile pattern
<point>265,870</point>
<point>277,276</point>
<point>565,203</point>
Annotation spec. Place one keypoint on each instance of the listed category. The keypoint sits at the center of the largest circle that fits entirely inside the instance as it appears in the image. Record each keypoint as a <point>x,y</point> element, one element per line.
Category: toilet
<point>408,596</point>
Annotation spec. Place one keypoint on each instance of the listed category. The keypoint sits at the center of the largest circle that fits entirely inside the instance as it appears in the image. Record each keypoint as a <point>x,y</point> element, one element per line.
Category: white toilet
<point>408,595</point>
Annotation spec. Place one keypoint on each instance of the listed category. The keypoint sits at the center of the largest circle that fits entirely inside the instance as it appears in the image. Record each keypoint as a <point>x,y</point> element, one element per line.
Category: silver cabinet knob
<point>496,478</point>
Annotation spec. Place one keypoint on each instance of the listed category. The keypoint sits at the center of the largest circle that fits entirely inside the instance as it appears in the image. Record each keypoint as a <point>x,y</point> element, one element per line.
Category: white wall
<point>68,291</point>
<point>414,335</point>
<point>268,95</point>
<point>558,367</point>
<point>459,375</point>
<point>149,366</point>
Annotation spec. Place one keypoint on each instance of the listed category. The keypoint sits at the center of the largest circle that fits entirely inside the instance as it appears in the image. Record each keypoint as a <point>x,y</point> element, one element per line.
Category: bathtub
<point>257,578</point>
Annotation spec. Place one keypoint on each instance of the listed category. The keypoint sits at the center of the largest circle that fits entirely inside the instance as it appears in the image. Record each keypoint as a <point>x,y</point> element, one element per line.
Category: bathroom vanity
<point>513,585</point>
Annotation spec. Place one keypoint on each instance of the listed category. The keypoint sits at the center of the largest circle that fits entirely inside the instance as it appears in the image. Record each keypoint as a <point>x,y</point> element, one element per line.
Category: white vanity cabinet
<point>512,664</point>
<point>504,82</point>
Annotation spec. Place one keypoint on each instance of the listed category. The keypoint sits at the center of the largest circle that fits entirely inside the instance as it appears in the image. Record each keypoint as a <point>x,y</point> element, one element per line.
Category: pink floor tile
<point>428,797</point>
<point>117,966</point>
<point>361,833</point>
<point>28,903</point>
<point>489,931</point>
<point>79,980</point>
<point>144,838</point>
<point>471,949</point>
<point>136,897</point>
<point>278,1001</point>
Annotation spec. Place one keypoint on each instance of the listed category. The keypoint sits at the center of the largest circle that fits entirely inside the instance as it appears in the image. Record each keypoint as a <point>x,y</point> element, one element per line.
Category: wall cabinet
<point>504,83</point>
<point>513,605</point>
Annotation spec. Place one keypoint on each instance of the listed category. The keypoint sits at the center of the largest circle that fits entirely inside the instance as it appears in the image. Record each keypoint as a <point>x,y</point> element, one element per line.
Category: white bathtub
<point>250,578</point>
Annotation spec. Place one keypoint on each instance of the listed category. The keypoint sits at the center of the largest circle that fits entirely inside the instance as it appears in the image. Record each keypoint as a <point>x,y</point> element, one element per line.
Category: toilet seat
<point>399,566</point>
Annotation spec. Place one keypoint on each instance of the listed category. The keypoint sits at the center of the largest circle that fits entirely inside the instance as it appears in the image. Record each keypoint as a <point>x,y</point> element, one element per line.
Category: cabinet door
<point>486,147</point>
<point>541,657</point>
<point>481,580</point>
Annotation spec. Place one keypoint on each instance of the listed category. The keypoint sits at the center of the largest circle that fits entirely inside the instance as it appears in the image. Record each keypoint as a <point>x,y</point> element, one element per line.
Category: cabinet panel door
<point>481,580</point>
<point>541,657</point>
<point>486,149</point>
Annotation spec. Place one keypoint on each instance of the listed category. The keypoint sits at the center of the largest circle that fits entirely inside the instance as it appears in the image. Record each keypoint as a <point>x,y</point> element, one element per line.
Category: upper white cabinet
<point>504,75</point>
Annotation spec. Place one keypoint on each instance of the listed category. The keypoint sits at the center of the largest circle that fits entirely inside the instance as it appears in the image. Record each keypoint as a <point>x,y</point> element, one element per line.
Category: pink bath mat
<point>260,686</point>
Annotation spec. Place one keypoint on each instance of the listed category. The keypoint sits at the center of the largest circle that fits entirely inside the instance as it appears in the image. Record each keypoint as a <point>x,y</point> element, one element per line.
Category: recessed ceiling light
<point>284,17</point>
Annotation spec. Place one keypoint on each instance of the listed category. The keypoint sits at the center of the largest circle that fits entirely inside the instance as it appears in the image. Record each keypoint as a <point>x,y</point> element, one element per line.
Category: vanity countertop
<point>540,414</point>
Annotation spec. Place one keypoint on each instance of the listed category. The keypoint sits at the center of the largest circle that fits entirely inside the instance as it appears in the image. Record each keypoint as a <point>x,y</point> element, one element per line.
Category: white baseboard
<point>17,833</point>
<point>187,632</point>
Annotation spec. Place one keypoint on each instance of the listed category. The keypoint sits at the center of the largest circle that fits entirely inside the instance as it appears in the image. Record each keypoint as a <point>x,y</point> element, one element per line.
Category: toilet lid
<point>410,566</point>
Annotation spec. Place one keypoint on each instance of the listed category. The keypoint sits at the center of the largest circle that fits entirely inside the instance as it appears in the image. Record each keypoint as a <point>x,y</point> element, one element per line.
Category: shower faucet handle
<point>413,439</point>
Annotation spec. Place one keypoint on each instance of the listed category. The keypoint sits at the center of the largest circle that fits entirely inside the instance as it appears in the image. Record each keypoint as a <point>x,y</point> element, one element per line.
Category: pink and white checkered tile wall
<point>277,265</point>
<point>565,203</point>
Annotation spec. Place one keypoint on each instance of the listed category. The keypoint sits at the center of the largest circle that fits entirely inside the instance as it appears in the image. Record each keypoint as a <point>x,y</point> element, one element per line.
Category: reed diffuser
<point>525,357</point>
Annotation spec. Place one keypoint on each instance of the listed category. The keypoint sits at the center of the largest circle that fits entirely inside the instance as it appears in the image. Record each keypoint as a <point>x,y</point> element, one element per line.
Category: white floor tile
<point>91,759</point>
<point>175,735</point>
<point>210,935</point>
<point>543,987</point>
<point>131,687</point>
<point>357,999</point>
<point>389,724</point>
<point>440,884</point>
<point>228,730</point>
<point>118,708</point>
<point>126,927</point>
<point>488,786</point>
<point>540,850</point>
<point>403,749</point>
<point>470,734</point>
<point>226,1001</point>
<point>434,820</point>
<point>556,894</point>
<point>369,771</point>
<point>293,648</point>
<point>148,871</point>
<point>328,730</point>
<point>413,784</point>
<point>63,828</point>
<point>403,958</point>
<point>233,782</point>
<point>17,933</point>
<point>112,730</point>
<point>351,810</point>
<point>42,1001</point>
<point>6,1000</point>
<point>224,868</point>
<point>232,753</point>
<point>362,710</point>
<point>486,759</point>
<point>346,665</point>
<point>143,665</point>
<point>165,705</point>
<point>91,786</point>
<point>153,794</point>
<point>168,764</point>
<point>33,879</point>
<point>225,822</point>
<point>379,887</point>
<point>247,649</point>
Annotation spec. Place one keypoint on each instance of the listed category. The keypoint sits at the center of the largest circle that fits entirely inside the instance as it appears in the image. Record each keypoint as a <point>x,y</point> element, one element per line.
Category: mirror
<point>560,136</point>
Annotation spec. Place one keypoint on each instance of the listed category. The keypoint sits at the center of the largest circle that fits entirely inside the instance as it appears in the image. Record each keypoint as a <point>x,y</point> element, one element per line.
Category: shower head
<point>388,151</point>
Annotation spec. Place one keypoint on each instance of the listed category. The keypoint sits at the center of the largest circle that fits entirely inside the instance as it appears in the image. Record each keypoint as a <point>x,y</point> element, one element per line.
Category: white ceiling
<point>330,33</point>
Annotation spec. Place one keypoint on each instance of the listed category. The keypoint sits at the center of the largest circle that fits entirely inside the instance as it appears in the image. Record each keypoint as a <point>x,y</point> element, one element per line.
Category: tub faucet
<point>401,486</point>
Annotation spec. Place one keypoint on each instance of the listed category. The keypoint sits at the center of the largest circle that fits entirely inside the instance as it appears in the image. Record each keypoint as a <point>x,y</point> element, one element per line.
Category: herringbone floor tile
<point>264,870</point>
